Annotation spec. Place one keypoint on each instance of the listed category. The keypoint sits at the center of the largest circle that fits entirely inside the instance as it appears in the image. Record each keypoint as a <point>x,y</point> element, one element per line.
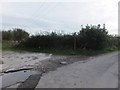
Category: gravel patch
<point>49,65</point>
<point>57,61</point>
<point>35,60</point>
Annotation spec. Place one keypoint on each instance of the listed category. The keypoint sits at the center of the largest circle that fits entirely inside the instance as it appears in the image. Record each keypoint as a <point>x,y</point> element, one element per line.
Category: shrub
<point>93,37</point>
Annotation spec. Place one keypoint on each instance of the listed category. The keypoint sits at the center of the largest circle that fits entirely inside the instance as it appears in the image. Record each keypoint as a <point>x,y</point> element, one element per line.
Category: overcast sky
<point>58,15</point>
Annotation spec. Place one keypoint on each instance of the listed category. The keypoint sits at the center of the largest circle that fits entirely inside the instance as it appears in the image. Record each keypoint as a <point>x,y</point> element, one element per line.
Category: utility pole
<point>75,41</point>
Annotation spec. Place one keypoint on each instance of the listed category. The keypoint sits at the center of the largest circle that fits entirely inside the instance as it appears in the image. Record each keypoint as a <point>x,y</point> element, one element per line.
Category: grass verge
<point>59,51</point>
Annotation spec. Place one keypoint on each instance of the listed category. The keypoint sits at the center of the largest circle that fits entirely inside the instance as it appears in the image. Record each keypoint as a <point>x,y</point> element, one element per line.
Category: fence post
<point>75,41</point>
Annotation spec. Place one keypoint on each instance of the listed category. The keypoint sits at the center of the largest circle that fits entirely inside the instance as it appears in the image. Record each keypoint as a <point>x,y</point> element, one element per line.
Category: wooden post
<point>75,41</point>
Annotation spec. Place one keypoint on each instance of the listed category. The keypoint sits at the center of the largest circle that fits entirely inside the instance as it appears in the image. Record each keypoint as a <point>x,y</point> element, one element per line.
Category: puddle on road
<point>13,78</point>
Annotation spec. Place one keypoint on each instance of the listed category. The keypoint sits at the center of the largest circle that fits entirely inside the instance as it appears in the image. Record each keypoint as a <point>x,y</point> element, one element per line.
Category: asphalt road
<point>97,72</point>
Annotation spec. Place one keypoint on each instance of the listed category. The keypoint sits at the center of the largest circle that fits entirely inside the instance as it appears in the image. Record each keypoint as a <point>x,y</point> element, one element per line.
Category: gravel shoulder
<point>97,72</point>
<point>48,65</point>
<point>55,71</point>
<point>12,61</point>
<point>15,63</point>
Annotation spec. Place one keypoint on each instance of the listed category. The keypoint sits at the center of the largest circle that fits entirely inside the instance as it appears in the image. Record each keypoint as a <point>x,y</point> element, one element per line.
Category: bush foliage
<point>89,38</point>
<point>93,37</point>
<point>14,35</point>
